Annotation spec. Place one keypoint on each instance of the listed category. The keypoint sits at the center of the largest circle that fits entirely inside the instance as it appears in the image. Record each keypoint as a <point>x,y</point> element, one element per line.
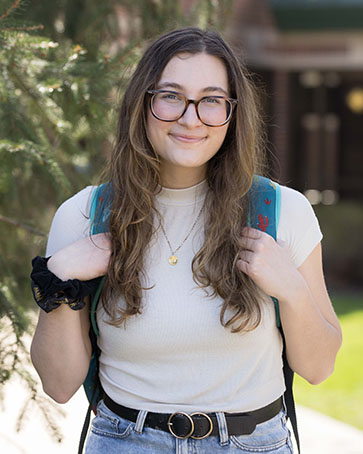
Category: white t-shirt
<point>176,355</point>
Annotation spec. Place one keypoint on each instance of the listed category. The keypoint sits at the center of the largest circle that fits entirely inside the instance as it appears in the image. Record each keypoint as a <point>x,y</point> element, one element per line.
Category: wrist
<point>53,267</point>
<point>50,291</point>
<point>296,289</point>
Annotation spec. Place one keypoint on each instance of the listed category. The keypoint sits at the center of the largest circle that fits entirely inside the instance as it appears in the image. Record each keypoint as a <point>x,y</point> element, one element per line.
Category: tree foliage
<point>62,67</point>
<point>55,132</point>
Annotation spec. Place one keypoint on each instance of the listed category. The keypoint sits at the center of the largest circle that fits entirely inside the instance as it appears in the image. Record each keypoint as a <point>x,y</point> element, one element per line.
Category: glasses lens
<point>168,106</point>
<point>214,111</point>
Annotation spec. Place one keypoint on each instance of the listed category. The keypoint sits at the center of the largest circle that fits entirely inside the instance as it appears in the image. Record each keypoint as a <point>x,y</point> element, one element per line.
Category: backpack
<point>264,214</point>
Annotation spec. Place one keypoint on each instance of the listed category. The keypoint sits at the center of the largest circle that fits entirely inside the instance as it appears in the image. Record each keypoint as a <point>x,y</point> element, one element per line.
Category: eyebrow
<point>204,90</point>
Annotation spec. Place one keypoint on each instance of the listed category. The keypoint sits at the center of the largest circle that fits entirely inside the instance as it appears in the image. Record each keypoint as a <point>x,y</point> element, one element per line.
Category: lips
<point>187,138</point>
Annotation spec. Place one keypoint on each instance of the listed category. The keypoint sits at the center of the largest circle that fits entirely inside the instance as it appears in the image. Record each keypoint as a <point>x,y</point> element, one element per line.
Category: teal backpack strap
<point>265,202</point>
<point>264,213</point>
<point>99,220</point>
<point>100,208</point>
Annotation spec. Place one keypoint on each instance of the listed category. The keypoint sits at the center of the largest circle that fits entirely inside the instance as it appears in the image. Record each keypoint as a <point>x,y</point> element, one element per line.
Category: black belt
<point>199,425</point>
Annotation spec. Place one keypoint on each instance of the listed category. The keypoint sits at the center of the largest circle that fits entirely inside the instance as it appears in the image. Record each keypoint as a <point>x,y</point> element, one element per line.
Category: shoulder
<point>298,224</point>
<point>76,207</point>
<point>71,221</point>
<point>81,201</point>
<point>294,201</point>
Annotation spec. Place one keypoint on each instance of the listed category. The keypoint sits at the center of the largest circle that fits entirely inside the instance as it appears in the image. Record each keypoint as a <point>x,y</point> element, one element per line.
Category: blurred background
<point>63,67</point>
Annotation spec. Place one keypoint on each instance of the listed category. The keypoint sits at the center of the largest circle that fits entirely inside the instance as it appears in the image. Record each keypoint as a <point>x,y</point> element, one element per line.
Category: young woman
<point>188,334</point>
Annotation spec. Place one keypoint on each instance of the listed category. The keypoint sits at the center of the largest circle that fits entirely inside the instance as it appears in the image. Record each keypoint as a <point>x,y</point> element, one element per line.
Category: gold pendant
<point>173,260</point>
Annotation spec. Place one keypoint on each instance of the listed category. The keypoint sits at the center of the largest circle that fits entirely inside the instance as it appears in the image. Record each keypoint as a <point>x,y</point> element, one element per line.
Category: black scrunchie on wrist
<point>50,292</point>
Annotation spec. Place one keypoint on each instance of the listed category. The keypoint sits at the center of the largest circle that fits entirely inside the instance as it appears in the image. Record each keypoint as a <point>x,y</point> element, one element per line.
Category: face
<point>186,145</point>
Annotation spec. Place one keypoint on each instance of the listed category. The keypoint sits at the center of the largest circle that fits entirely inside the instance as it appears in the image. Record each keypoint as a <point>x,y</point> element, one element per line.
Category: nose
<point>190,117</point>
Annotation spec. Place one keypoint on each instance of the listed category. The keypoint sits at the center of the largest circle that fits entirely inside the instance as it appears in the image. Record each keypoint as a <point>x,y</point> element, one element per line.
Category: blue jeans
<point>111,434</point>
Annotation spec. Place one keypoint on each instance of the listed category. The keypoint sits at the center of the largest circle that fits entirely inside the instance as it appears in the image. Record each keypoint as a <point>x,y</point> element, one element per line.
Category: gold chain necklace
<point>173,259</point>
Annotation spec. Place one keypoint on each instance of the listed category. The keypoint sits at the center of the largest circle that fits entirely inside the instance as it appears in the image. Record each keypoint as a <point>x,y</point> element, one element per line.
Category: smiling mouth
<point>186,138</point>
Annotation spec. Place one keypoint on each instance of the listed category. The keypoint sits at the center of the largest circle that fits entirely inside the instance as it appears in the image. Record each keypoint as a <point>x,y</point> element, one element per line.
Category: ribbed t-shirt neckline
<point>185,196</point>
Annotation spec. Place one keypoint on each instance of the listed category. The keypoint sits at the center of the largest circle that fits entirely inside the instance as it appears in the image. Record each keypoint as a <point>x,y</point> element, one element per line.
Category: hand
<point>85,259</point>
<point>268,264</point>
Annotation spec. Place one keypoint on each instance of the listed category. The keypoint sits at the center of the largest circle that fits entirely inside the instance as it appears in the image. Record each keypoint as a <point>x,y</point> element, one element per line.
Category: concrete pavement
<point>319,434</point>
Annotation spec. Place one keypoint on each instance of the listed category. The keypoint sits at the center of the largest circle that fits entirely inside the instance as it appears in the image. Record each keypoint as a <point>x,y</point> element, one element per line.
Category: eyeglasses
<point>211,110</point>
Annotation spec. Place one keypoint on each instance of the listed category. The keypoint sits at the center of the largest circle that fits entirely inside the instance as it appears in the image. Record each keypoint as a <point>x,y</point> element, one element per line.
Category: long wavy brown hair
<point>135,176</point>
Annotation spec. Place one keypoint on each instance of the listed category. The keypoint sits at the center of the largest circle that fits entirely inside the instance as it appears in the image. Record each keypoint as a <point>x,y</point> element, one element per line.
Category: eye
<point>169,96</point>
<point>212,100</point>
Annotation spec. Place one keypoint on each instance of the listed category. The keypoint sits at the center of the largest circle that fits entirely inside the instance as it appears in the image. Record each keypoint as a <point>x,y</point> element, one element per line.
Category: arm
<point>61,348</point>
<point>312,331</point>
<point>61,352</point>
<point>311,328</point>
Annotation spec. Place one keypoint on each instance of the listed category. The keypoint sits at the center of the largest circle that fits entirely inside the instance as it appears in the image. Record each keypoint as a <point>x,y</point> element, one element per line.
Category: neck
<point>182,178</point>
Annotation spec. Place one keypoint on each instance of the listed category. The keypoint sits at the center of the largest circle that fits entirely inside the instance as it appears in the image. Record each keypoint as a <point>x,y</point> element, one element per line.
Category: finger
<point>254,234</point>
<point>246,256</point>
<point>247,243</point>
<point>242,266</point>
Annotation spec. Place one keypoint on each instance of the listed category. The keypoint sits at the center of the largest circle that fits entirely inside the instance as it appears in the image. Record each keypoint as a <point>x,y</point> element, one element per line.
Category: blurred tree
<point>95,25</point>
<point>55,130</point>
<point>57,99</point>
<point>59,83</point>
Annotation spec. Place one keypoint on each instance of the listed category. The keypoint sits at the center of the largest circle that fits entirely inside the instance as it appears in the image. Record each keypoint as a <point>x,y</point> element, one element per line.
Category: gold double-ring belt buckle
<point>170,424</point>
<point>210,426</point>
<point>190,433</point>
